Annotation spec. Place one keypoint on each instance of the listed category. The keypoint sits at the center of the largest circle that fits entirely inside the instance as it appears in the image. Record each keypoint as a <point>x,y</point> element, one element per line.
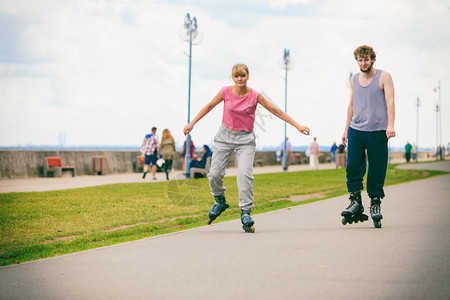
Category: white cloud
<point>109,70</point>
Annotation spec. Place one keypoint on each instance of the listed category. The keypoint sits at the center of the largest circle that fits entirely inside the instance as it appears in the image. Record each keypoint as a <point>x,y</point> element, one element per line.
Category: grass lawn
<point>44,224</point>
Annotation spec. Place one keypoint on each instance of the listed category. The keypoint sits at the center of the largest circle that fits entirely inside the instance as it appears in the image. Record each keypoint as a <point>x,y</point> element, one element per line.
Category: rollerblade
<point>247,222</point>
<point>375,211</point>
<point>354,212</point>
<point>218,208</point>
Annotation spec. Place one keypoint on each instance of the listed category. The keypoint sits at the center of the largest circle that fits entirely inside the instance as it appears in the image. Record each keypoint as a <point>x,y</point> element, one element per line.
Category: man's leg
<point>377,152</point>
<point>356,160</point>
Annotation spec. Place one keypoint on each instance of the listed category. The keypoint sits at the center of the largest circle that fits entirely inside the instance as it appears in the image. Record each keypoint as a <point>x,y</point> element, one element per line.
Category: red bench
<point>54,164</point>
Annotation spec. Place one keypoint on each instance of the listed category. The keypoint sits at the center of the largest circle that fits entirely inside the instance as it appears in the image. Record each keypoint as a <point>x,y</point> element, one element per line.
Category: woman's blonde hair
<point>239,70</point>
<point>166,134</point>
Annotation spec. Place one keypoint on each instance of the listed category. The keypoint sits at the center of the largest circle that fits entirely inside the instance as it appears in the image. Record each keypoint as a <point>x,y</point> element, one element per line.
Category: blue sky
<point>105,72</point>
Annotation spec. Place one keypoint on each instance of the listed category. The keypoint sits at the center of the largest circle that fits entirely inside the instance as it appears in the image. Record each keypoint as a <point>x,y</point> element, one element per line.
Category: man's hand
<point>390,132</point>
<point>344,139</point>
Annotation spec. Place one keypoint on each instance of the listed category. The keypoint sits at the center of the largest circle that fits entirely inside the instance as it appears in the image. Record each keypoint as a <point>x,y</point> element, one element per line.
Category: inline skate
<point>355,211</point>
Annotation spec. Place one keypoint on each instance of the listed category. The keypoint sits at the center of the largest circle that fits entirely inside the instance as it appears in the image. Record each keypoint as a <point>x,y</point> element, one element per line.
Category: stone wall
<point>27,164</point>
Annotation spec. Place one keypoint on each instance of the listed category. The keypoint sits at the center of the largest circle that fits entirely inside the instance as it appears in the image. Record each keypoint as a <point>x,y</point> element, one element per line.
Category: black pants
<point>168,165</point>
<point>375,142</point>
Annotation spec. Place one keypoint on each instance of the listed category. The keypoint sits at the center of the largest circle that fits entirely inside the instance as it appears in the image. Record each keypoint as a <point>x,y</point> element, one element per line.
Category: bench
<point>204,172</point>
<point>258,162</point>
<point>54,164</point>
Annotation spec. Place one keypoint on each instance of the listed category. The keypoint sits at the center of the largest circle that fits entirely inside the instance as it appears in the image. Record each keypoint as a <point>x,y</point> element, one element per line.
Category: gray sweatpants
<point>225,142</point>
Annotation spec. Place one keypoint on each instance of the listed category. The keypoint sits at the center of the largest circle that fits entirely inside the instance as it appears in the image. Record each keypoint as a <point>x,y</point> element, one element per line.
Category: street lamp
<point>437,119</point>
<point>190,33</point>
<point>417,130</point>
<point>286,63</point>
<point>438,89</point>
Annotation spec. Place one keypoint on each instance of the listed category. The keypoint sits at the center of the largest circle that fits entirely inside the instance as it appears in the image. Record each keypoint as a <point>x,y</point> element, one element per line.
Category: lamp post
<point>287,63</point>
<point>437,122</point>
<point>417,130</point>
<point>190,33</point>
<point>438,110</point>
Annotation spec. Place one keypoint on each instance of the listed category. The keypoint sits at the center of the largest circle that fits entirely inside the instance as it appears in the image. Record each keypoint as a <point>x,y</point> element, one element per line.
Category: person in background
<point>167,149</point>
<point>191,152</point>
<point>195,163</point>
<point>149,150</point>
<point>333,152</point>
<point>408,148</point>
<point>314,153</point>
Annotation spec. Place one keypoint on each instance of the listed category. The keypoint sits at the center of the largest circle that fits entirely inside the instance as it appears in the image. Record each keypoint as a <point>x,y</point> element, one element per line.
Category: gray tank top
<point>369,105</point>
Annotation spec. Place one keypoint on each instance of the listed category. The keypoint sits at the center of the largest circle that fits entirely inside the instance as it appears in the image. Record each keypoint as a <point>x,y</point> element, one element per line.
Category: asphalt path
<point>299,253</point>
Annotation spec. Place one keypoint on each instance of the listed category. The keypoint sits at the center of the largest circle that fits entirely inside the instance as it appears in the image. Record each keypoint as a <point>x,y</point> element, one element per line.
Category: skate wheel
<point>356,221</point>
<point>350,222</point>
<point>344,221</point>
<point>249,229</point>
<point>210,221</point>
<point>377,224</point>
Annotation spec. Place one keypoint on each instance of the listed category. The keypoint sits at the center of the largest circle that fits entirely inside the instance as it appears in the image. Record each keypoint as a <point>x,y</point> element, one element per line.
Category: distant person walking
<point>289,152</point>
<point>408,148</point>
<point>167,150</point>
<point>414,152</point>
<point>370,123</point>
<point>149,150</point>
<point>333,152</point>
<point>236,134</point>
<point>314,152</point>
<point>191,152</point>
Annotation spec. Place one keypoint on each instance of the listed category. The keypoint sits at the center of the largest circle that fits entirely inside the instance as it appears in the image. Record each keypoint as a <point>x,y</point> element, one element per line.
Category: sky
<point>102,73</point>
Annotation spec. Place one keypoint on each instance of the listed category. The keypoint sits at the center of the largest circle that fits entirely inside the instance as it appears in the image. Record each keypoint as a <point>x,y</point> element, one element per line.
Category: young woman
<point>236,134</point>
<point>167,149</point>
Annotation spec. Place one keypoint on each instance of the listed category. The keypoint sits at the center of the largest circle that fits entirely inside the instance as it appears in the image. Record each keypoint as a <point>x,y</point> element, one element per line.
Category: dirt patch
<point>64,238</point>
<point>176,218</point>
<point>425,174</point>
<point>125,226</point>
<point>299,198</point>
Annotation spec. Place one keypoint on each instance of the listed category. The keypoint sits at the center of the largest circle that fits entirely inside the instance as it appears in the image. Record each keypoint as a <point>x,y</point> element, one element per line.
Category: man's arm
<point>388,86</point>
<point>349,116</point>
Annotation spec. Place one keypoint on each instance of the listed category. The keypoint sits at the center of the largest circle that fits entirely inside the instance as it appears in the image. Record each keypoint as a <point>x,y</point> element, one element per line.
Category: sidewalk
<point>67,182</point>
<point>302,252</point>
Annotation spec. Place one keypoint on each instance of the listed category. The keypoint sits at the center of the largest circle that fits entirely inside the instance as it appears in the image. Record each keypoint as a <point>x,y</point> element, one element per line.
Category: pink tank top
<point>239,112</point>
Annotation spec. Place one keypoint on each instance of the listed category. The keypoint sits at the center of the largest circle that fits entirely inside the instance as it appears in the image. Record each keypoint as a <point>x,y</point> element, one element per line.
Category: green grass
<point>45,224</point>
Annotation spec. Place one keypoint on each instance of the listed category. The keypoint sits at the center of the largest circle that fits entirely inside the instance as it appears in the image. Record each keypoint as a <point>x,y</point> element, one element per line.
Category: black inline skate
<point>355,211</point>
<point>247,222</point>
<point>375,211</point>
<point>218,208</point>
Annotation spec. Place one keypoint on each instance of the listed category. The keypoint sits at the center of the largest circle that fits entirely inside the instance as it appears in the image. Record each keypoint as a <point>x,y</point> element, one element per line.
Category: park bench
<point>200,171</point>
<point>54,164</point>
<point>258,162</point>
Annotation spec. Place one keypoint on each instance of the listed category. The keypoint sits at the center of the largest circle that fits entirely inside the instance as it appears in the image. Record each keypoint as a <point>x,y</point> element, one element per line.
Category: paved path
<point>298,253</point>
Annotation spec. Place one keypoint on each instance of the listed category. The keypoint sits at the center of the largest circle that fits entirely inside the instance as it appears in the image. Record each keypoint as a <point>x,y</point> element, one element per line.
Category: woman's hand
<point>303,130</point>
<point>188,128</point>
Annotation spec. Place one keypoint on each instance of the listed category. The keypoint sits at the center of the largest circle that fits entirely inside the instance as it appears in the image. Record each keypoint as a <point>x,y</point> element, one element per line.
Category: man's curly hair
<point>363,51</point>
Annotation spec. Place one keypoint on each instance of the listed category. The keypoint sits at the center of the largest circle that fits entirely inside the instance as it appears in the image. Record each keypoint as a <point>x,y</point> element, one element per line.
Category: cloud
<point>109,70</point>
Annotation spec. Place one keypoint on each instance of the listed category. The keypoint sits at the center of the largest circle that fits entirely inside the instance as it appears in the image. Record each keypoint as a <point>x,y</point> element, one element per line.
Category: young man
<point>370,123</point>
<point>149,149</point>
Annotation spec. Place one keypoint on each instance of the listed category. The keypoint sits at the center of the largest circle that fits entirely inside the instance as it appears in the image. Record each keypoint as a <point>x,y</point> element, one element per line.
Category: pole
<point>440,121</point>
<point>188,138</point>
<point>417,130</point>
<point>437,133</point>
<point>285,124</point>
